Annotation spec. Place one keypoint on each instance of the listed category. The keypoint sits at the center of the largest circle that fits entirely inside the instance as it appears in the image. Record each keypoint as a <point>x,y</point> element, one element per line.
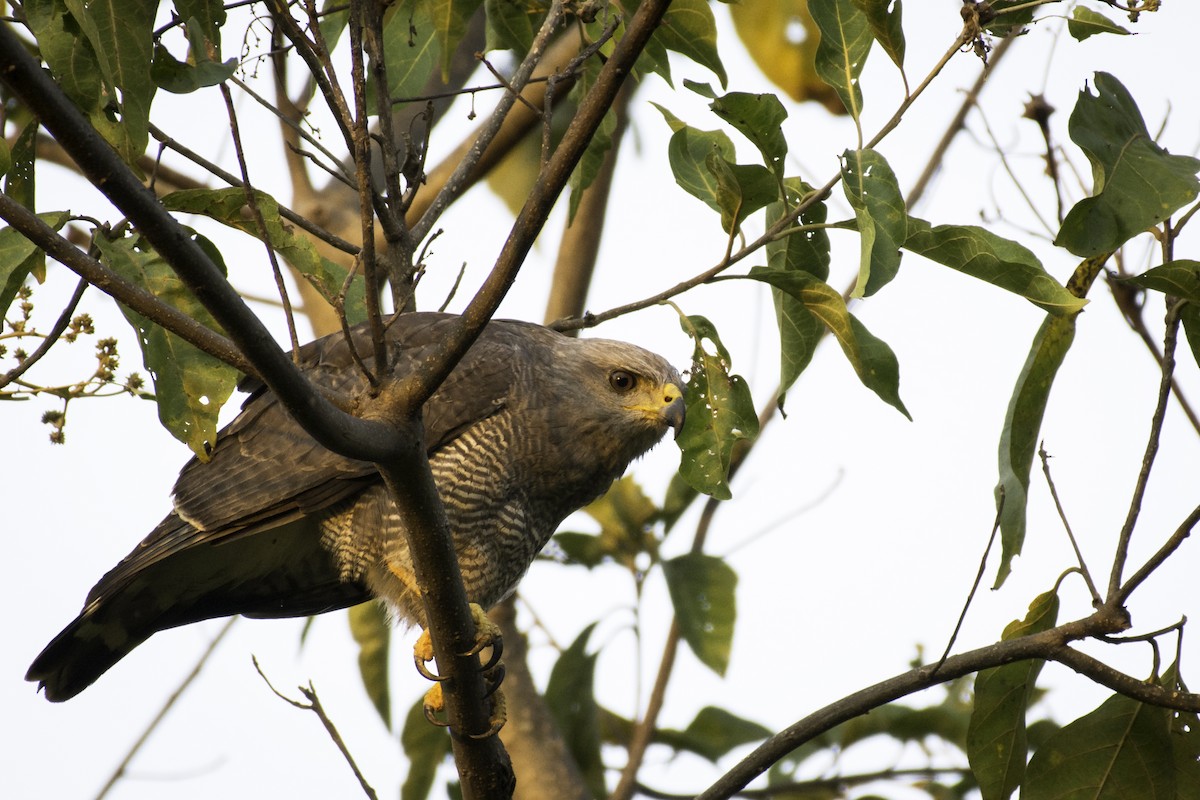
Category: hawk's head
<point>622,398</point>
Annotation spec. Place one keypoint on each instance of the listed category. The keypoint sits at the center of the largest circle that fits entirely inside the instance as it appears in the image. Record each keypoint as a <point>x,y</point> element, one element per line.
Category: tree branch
<point>332,427</point>
<point>1050,645</point>
<point>107,281</point>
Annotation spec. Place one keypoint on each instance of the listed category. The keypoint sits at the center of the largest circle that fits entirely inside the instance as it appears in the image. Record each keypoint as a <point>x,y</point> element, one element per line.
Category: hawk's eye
<point>621,380</point>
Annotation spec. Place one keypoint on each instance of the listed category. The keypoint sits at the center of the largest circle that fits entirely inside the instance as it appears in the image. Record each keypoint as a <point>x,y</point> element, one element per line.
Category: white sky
<point>876,524</point>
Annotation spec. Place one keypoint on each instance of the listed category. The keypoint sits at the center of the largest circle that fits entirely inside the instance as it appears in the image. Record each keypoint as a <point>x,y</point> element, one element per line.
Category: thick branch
<point>1050,645</point>
<point>107,281</point>
<point>483,764</point>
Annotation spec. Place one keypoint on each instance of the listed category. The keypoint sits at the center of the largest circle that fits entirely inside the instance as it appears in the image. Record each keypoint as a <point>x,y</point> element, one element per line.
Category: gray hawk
<point>528,427</point>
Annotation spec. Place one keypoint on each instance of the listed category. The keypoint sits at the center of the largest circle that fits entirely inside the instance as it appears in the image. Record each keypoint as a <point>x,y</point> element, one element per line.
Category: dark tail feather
<point>282,572</point>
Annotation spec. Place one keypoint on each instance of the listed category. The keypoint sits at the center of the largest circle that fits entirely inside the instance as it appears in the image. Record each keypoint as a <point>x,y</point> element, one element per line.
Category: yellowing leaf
<point>781,37</point>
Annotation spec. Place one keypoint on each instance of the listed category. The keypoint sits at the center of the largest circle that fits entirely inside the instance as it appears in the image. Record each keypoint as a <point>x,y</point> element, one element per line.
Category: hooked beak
<point>674,410</point>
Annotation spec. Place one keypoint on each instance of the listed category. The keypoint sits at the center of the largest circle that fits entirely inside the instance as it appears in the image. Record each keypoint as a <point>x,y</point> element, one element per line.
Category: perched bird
<point>530,426</point>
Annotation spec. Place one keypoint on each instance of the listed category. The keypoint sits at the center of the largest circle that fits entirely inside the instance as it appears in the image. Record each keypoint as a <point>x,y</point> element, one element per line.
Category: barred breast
<point>496,531</point>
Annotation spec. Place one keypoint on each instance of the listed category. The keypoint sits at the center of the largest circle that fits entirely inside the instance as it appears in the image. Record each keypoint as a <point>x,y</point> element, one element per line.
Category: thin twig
<point>458,180</point>
<point>119,772</point>
<point>1156,424</point>
<point>361,148</point>
<point>336,170</point>
<point>313,704</point>
<point>774,231</point>
<point>60,325</point>
<point>974,585</point>
<point>1170,546</point>
<point>285,212</point>
<point>956,123</point>
<point>256,213</point>
<point>1062,515</point>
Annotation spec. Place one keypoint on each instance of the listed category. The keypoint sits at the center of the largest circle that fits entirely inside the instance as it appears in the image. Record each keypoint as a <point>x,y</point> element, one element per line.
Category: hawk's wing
<point>245,537</point>
<point>266,471</point>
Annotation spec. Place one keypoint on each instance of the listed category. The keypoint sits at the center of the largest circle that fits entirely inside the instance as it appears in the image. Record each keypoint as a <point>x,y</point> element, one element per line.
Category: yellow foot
<point>487,637</point>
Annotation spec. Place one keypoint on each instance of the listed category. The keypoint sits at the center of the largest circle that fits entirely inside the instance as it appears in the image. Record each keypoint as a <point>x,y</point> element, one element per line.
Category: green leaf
<point>335,16</point>
<point>807,251</point>
<point>948,721</point>
<point>843,49</point>
<point>1136,183</point>
<point>450,18</point>
<point>1119,751</point>
<point>1084,23</point>
<point>1001,262</point>
<point>689,28</point>
<point>6,158</point>
<point>1180,278</point>
<point>180,78</point>
<point>121,34</point>
<point>190,385</point>
<point>510,26</point>
<point>1009,22</point>
<point>742,189</point>
<point>885,26</point>
<point>688,153</point>
<point>572,701</point>
<point>720,411</point>
<point>713,733</point>
<point>702,589</point>
<point>1189,315</point>
<point>872,359</point>
<point>69,55</point>
<point>1022,424</point>
<point>1185,741</point>
<point>19,257</point>
<point>758,117</point>
<point>996,740</point>
<point>425,748</point>
<point>871,187</point>
<point>371,631</point>
<point>411,45</point>
<point>225,205</point>
<point>626,516</point>
<point>20,183</point>
<point>204,20</point>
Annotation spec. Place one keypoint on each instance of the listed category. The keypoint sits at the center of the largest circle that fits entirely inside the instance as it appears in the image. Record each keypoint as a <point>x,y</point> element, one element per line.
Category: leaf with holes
<point>871,187</point>
<point>720,411</point>
<point>190,385</point>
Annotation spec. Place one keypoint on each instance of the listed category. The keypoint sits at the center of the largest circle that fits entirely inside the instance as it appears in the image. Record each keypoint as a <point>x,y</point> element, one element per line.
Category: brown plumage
<point>530,426</point>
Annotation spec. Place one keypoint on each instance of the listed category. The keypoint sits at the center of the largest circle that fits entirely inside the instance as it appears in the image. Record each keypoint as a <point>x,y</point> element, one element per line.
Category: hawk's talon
<point>433,704</point>
<point>494,678</point>
<point>499,714</point>
<point>497,645</point>
<point>422,655</point>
